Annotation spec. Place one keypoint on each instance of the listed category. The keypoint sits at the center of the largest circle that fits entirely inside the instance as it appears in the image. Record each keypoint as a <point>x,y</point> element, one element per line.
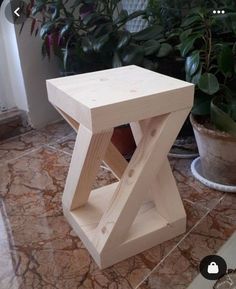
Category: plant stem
<point>208,44</point>
<point>209,50</point>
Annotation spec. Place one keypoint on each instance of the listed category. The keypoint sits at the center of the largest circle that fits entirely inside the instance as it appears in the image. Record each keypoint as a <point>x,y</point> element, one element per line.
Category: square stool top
<point>108,98</point>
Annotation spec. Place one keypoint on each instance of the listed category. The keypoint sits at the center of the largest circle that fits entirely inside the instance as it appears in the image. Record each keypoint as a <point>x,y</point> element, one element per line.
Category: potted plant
<point>169,15</point>
<point>89,35</point>
<point>208,44</point>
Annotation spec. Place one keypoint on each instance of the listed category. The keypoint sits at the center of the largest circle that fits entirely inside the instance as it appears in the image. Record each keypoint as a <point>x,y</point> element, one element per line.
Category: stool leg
<point>164,186</point>
<point>88,153</point>
<point>146,162</point>
<point>166,195</point>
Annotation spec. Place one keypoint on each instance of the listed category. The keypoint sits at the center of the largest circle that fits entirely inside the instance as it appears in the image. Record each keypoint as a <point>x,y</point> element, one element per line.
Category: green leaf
<point>38,7</point>
<point>152,32</point>
<point>102,29</point>
<point>221,119</point>
<point>192,63</point>
<point>99,43</point>
<point>121,17</point>
<point>188,21</point>
<point>93,18</point>
<point>151,46</point>
<point>116,62</point>
<point>208,83</point>
<point>46,29</point>
<point>124,39</point>
<point>136,14</point>
<point>188,43</point>
<point>196,77</point>
<point>65,29</point>
<point>66,52</point>
<point>164,50</point>
<point>185,34</point>
<point>226,60</point>
<point>173,34</point>
<point>133,54</point>
<point>87,45</point>
<point>56,13</point>
<point>124,17</point>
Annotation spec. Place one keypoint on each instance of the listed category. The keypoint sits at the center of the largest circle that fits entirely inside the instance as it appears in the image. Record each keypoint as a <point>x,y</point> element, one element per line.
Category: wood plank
<point>88,153</point>
<point>112,97</point>
<point>141,171</point>
<point>73,123</point>
<point>84,221</point>
<point>166,196</point>
<point>115,161</point>
<point>163,188</point>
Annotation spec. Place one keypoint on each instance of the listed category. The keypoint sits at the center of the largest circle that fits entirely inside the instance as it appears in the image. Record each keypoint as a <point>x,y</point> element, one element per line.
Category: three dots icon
<point>218,11</point>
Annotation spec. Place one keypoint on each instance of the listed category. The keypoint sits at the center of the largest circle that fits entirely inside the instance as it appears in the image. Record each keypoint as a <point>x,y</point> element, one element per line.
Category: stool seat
<point>143,208</point>
<point>108,98</point>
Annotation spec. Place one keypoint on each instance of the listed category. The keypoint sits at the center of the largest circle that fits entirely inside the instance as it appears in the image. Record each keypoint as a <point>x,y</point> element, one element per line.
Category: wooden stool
<point>144,207</point>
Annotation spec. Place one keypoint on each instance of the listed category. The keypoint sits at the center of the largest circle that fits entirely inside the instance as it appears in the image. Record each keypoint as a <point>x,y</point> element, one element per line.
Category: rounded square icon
<point>213,267</point>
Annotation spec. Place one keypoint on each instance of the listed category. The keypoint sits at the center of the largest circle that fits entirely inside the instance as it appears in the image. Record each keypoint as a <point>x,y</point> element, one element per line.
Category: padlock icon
<point>213,268</point>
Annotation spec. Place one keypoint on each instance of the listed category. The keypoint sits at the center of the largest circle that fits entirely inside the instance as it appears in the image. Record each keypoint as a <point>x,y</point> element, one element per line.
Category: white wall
<point>12,78</point>
<point>4,101</point>
<point>24,73</point>
<point>35,71</point>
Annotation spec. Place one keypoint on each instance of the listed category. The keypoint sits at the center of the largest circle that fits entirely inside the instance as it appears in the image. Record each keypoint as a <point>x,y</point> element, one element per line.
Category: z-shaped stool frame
<point>144,207</point>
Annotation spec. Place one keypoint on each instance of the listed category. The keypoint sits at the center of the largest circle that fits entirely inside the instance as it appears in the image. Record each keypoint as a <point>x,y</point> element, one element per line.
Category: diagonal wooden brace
<point>145,165</point>
<point>112,158</point>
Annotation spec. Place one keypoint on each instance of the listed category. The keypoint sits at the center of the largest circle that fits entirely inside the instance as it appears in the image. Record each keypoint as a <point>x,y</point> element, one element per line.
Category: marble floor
<point>39,250</point>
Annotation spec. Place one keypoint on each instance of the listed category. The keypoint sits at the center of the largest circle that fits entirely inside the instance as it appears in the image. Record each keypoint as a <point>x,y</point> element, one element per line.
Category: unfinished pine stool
<point>144,207</point>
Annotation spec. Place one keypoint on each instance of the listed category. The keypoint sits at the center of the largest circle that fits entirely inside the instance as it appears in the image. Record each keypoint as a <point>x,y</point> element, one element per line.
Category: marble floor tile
<point>65,144</point>
<point>55,131</point>
<point>39,250</point>
<point>190,188</point>
<point>227,206</point>
<point>180,268</point>
<point>136,269</point>
<point>33,184</point>
<point>19,145</point>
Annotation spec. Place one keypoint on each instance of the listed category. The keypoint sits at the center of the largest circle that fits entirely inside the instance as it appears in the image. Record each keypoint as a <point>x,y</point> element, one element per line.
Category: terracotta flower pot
<point>123,140</point>
<point>217,153</point>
